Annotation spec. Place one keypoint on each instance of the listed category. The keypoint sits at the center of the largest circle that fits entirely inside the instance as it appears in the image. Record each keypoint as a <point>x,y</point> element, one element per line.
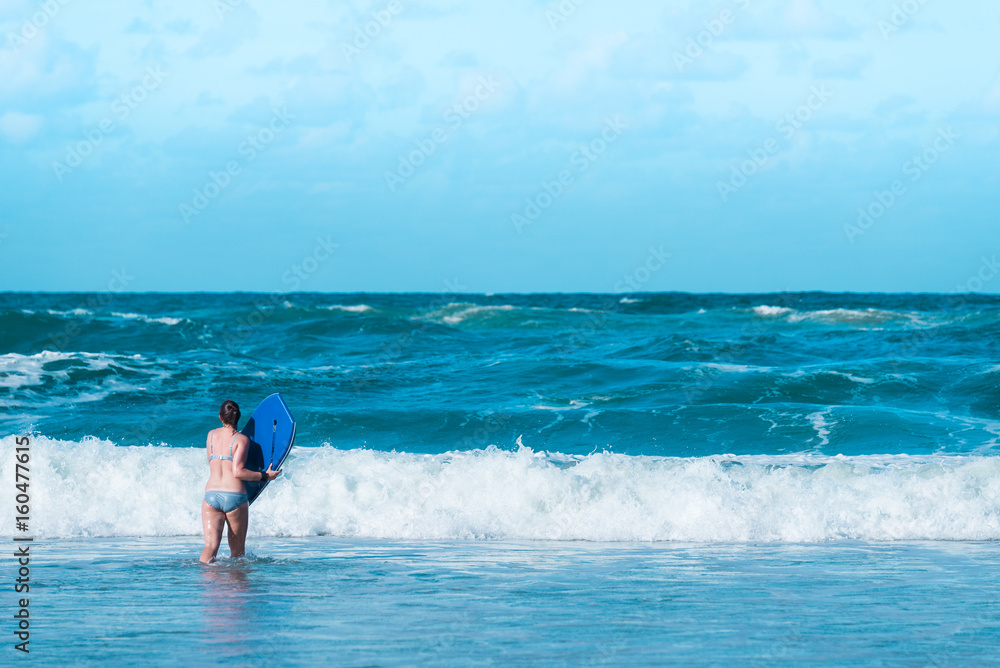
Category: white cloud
<point>45,71</point>
<point>582,63</point>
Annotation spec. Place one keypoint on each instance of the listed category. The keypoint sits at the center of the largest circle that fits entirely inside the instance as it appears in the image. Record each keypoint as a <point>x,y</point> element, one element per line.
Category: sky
<point>517,146</point>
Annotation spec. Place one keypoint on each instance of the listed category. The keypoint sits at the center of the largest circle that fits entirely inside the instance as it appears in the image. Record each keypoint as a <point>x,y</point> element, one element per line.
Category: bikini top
<point>212,449</point>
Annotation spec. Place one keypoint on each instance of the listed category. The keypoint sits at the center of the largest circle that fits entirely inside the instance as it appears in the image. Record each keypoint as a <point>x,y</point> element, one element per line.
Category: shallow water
<point>365,602</point>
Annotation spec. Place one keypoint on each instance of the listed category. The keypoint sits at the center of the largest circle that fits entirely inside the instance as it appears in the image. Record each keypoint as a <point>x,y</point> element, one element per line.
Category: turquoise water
<point>387,602</point>
<point>516,479</point>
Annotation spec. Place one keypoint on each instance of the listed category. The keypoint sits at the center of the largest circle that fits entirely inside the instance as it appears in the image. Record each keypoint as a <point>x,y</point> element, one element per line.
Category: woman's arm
<point>240,472</point>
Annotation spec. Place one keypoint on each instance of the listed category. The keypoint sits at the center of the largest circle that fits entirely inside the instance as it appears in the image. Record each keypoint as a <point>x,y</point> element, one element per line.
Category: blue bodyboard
<point>271,430</point>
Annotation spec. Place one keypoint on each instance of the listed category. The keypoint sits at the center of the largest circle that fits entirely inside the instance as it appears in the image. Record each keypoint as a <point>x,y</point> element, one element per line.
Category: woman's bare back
<point>217,446</point>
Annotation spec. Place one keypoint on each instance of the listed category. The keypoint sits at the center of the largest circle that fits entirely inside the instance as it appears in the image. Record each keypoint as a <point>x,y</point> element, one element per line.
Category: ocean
<point>548,479</point>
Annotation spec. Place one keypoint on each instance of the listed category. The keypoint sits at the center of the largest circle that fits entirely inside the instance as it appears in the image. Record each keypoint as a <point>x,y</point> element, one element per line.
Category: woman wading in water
<point>225,494</point>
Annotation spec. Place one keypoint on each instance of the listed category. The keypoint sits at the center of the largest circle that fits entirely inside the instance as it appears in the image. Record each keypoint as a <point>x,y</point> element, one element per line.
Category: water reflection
<point>227,606</point>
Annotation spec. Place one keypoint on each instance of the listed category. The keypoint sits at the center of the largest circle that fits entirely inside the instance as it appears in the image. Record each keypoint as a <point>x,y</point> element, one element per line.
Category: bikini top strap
<point>211,443</point>
<point>235,436</point>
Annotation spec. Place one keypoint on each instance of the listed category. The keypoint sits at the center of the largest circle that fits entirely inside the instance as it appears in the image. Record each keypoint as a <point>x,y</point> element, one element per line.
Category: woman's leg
<point>212,521</point>
<point>238,520</point>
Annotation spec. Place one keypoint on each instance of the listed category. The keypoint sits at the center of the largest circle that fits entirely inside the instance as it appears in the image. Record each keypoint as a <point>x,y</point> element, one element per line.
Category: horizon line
<point>487,294</point>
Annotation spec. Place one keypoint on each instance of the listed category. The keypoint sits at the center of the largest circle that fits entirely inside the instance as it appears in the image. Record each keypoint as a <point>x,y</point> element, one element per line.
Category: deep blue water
<point>533,478</point>
<point>658,374</point>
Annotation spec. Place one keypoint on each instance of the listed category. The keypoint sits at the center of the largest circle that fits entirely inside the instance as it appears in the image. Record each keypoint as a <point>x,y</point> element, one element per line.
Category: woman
<point>225,494</point>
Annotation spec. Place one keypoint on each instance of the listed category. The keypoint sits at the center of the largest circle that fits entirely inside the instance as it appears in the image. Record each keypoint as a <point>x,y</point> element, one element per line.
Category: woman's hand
<point>271,473</point>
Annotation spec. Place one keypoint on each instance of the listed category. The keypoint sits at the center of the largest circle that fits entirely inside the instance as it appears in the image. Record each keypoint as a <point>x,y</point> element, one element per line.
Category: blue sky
<point>519,146</point>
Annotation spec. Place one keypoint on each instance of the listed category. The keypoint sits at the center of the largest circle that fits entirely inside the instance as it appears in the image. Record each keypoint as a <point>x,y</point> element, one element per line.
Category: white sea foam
<point>166,320</point>
<point>17,370</point>
<point>798,373</point>
<point>20,371</point>
<point>848,316</point>
<point>851,377</point>
<point>95,488</point>
<point>733,368</point>
<point>819,423</point>
<point>72,312</point>
<point>456,313</point>
<point>351,308</point>
<point>863,317</point>
<point>770,311</point>
<point>82,312</point>
<point>574,404</point>
<point>842,316</point>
